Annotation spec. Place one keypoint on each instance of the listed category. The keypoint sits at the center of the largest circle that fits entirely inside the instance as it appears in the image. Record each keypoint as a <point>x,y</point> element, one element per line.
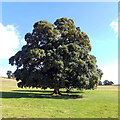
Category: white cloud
<point>9,41</point>
<point>114,25</point>
<point>110,71</point>
<point>23,42</point>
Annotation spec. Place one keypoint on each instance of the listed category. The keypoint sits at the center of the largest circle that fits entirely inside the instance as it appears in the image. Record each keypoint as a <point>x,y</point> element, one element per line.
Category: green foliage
<point>107,82</point>
<point>10,74</point>
<point>56,56</point>
<point>100,83</point>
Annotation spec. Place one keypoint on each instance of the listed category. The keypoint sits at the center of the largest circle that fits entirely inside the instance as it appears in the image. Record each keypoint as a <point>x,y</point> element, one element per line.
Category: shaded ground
<point>41,94</point>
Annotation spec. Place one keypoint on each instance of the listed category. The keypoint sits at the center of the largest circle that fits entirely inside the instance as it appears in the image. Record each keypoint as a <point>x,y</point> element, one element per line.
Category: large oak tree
<point>56,56</point>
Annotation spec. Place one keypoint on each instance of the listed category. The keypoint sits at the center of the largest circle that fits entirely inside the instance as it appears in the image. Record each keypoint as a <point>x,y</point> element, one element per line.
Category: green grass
<point>37,103</point>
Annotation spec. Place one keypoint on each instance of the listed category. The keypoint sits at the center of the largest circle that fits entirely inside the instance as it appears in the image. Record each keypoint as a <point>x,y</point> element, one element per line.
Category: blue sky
<point>97,19</point>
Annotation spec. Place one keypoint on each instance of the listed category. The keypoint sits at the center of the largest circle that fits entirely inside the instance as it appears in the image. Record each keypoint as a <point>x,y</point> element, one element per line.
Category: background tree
<point>100,82</point>
<point>110,83</point>
<point>56,56</point>
<point>106,82</point>
<point>9,74</point>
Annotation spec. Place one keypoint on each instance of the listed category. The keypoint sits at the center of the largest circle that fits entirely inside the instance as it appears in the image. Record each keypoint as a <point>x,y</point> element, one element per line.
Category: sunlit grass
<point>37,103</point>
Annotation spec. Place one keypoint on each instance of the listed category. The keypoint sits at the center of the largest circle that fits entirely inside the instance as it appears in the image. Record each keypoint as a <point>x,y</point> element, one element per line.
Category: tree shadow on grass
<point>46,91</point>
<point>32,91</point>
<point>34,95</point>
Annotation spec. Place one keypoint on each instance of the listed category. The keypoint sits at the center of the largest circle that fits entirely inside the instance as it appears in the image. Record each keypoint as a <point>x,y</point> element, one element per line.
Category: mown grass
<point>37,103</point>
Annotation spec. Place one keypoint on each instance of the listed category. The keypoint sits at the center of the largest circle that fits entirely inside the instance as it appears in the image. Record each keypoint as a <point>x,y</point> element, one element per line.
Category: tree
<point>100,83</point>
<point>110,83</point>
<point>9,74</point>
<point>56,56</point>
<point>106,82</point>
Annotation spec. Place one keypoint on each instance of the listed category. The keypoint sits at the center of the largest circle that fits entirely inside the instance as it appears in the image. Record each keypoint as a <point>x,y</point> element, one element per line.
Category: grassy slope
<point>33,103</point>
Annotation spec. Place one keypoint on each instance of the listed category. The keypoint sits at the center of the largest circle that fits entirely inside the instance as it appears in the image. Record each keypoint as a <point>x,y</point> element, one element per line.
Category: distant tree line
<point>106,82</point>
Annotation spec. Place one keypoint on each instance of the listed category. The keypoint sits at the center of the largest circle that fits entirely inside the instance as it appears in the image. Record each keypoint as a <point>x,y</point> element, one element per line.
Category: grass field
<point>37,103</point>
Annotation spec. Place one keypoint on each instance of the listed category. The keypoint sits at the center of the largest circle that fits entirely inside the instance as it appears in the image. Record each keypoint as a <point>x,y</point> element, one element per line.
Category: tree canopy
<point>107,82</point>
<point>56,56</point>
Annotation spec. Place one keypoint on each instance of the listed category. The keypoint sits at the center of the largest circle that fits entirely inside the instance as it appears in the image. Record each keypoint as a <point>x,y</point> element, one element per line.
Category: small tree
<point>106,82</point>
<point>56,56</point>
<point>9,74</point>
<point>110,83</point>
<point>100,82</point>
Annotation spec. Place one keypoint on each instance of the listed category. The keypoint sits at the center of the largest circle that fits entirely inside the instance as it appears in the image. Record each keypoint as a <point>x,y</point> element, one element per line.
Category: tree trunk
<point>56,91</point>
<point>68,90</point>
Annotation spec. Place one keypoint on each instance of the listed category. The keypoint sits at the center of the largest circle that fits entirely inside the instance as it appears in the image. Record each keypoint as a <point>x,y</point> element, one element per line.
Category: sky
<point>99,20</point>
